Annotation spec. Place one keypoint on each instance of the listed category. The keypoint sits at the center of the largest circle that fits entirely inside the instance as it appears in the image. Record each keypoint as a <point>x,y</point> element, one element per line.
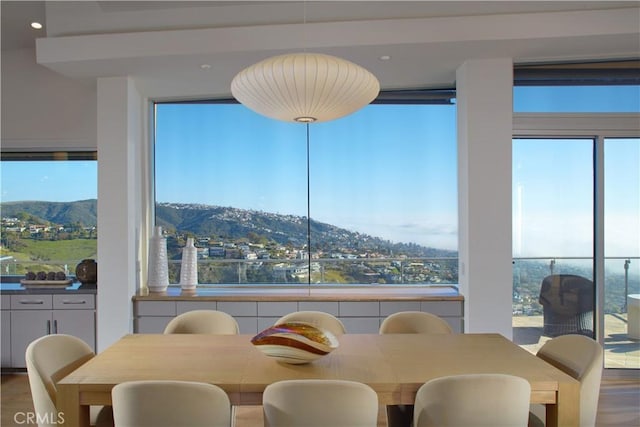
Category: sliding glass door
<point>553,241</point>
<point>576,251</point>
<point>621,293</point>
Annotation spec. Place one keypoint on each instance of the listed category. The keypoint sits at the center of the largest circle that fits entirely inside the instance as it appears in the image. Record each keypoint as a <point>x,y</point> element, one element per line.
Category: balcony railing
<point>322,271</point>
<point>622,277</point>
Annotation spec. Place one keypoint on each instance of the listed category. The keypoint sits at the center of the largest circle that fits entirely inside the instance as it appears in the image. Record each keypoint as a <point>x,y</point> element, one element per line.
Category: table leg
<point>68,403</point>
<point>566,411</point>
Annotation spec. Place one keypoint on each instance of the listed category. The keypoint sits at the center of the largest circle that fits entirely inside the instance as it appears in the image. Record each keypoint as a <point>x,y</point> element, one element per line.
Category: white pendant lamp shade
<point>305,87</point>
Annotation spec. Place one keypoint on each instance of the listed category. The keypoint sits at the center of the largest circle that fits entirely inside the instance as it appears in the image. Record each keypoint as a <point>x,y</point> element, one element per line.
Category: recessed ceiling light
<point>385,57</point>
<point>205,66</point>
<point>36,25</point>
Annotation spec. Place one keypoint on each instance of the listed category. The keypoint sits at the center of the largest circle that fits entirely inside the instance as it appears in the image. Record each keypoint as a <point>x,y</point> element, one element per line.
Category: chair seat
<point>203,322</point>
<point>490,400</point>
<point>582,358</point>
<point>157,403</point>
<point>319,403</point>
<point>50,358</point>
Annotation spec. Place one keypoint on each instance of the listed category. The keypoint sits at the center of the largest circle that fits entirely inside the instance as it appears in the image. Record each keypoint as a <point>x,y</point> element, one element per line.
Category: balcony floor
<point>620,351</point>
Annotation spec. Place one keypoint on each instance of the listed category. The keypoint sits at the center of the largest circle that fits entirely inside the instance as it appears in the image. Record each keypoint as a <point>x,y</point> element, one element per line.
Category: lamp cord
<point>308,210</point>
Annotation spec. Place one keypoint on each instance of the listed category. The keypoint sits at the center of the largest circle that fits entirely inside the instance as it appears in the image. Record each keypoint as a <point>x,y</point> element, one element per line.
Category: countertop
<point>305,293</point>
<point>74,287</point>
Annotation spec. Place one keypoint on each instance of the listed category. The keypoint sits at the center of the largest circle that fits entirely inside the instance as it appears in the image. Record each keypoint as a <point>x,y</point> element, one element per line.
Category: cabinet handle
<point>71,302</point>
<point>55,326</point>
<point>48,327</point>
<point>32,302</point>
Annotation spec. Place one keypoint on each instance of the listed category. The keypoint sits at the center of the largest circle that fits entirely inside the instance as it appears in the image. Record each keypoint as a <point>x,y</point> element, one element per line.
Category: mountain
<point>82,211</point>
<point>232,223</point>
<point>228,223</point>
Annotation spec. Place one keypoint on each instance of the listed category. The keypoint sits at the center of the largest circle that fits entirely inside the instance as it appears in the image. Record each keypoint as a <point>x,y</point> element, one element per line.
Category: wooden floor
<point>619,404</point>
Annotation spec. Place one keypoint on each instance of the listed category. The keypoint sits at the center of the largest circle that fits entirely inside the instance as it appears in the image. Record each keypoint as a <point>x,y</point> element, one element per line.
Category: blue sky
<point>553,197</point>
<point>365,169</point>
<point>48,180</point>
<point>388,171</point>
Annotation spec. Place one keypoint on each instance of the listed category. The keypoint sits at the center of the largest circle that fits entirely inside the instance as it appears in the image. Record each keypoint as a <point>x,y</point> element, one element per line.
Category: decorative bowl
<point>295,342</point>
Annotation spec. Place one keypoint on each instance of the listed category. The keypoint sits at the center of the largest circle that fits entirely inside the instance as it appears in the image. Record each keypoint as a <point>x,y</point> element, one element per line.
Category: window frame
<point>598,126</point>
<point>30,155</point>
<point>441,96</point>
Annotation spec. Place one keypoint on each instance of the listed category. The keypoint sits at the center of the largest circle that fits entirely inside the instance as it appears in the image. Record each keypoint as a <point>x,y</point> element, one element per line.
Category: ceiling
<point>162,44</point>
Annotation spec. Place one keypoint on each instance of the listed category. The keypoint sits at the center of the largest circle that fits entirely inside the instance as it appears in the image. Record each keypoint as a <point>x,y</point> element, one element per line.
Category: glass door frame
<point>596,126</point>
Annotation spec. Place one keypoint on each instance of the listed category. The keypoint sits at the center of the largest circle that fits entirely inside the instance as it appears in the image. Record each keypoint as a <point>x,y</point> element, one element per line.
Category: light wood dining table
<point>394,365</point>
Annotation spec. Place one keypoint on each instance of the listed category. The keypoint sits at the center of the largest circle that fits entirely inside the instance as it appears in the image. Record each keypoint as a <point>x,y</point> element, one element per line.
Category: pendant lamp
<point>305,87</point>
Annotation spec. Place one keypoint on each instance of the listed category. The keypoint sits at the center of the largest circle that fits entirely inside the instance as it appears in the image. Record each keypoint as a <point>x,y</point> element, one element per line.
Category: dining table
<point>394,365</point>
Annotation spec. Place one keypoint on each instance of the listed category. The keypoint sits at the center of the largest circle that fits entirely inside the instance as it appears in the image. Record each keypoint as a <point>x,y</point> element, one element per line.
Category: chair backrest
<point>319,403</point>
<point>49,359</point>
<point>567,293</point>
<point>473,400</point>
<point>170,403</point>
<point>582,358</point>
<point>319,319</point>
<point>203,322</point>
<point>414,322</point>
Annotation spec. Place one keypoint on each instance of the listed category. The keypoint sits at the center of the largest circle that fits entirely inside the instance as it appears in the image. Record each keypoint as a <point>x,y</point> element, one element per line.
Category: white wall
<point>484,99</point>
<point>120,138</point>
<point>42,109</point>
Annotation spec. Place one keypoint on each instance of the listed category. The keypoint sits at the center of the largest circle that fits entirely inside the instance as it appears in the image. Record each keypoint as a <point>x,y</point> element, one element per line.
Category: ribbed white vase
<point>189,266</point>
<point>158,277</point>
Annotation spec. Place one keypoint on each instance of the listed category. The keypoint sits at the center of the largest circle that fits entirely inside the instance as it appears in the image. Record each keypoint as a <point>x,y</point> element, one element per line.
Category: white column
<point>484,98</point>
<point>119,139</point>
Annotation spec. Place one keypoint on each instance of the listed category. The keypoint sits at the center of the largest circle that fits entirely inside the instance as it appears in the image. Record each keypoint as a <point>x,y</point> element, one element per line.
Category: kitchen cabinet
<point>360,313</point>
<point>32,316</point>
<point>5,349</point>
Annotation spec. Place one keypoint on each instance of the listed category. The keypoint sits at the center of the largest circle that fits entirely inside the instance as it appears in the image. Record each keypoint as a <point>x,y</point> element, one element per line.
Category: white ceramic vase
<point>158,274</point>
<point>189,266</point>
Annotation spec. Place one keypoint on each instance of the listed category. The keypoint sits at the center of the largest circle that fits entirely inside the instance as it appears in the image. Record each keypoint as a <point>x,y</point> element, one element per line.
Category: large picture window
<point>379,187</point>
<point>49,212</point>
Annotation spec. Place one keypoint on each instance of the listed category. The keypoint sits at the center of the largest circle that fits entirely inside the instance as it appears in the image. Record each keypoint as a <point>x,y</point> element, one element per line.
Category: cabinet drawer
<point>442,308</point>
<point>244,308</point>
<point>184,306</point>
<point>276,309</point>
<point>74,302</point>
<point>359,308</point>
<point>31,302</point>
<point>248,325</point>
<point>6,302</point>
<point>390,307</point>
<point>156,308</point>
<point>151,324</point>
<point>361,325</point>
<point>330,307</point>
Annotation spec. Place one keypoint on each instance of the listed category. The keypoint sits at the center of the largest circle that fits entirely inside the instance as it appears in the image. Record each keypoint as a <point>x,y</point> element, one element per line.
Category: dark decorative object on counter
<point>87,271</point>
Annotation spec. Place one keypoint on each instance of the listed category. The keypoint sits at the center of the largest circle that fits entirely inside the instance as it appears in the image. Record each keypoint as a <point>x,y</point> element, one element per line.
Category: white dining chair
<point>319,319</point>
<point>582,358</point>
<point>49,359</point>
<point>203,322</point>
<point>414,322</point>
<point>156,403</point>
<point>479,400</point>
<point>410,322</point>
<point>319,403</point>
